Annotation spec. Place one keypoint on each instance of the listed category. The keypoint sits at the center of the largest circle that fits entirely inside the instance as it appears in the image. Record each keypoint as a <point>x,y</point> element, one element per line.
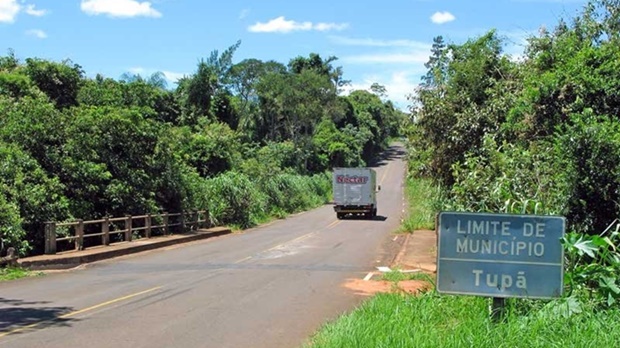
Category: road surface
<point>271,286</point>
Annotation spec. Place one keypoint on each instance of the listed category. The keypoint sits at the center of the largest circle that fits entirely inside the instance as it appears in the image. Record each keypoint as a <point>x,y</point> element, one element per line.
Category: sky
<point>385,41</point>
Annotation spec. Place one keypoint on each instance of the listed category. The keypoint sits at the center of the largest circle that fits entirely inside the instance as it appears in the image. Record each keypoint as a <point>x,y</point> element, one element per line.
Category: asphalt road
<point>271,286</point>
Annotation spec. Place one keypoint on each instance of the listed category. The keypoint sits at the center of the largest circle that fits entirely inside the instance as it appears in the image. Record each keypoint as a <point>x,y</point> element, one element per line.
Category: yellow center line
<point>333,224</point>
<point>244,259</point>
<point>74,313</point>
<point>387,169</point>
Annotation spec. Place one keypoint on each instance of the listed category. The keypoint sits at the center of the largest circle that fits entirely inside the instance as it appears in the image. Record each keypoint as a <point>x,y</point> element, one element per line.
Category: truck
<point>354,191</point>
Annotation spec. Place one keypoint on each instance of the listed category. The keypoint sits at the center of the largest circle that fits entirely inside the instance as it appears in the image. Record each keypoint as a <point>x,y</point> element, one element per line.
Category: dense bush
<point>28,199</point>
<point>232,138</point>
<point>535,135</point>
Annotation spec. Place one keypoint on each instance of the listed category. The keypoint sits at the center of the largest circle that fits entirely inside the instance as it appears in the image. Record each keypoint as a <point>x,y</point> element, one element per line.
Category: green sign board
<point>500,255</point>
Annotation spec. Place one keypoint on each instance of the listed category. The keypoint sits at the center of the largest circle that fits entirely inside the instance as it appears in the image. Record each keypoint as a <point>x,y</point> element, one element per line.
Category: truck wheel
<point>339,216</point>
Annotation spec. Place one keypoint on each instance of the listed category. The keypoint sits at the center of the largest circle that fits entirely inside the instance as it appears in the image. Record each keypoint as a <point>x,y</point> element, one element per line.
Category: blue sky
<point>384,41</point>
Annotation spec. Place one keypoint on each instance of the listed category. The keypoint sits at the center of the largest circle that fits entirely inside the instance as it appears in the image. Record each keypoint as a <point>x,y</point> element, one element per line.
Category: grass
<point>432,320</point>
<point>12,273</point>
<point>422,196</point>
<point>396,276</point>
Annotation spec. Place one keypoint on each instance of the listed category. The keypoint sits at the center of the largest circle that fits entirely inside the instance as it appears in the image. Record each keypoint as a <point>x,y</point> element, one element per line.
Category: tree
<point>59,81</point>
<point>379,90</point>
<point>196,92</point>
<point>437,64</point>
<point>321,66</point>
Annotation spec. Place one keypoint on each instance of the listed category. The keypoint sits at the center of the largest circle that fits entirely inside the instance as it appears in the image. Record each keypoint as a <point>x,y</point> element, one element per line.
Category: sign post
<point>500,255</point>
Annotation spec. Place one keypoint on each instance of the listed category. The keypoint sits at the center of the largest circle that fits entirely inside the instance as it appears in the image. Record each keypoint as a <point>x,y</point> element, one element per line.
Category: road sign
<point>500,255</point>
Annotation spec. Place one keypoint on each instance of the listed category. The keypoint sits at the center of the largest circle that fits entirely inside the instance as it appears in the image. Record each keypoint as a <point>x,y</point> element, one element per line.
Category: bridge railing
<point>127,227</point>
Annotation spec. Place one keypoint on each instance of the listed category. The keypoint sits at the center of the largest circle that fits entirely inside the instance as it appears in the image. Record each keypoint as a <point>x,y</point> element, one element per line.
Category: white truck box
<point>355,191</point>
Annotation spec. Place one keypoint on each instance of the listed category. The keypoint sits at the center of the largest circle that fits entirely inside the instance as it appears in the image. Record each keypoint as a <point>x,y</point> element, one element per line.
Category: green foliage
<point>292,193</point>
<point>109,163</point>
<point>424,202</point>
<point>212,148</point>
<point>59,81</point>
<point>518,180</point>
<point>11,232</point>
<point>270,159</point>
<point>593,149</point>
<point>14,85</point>
<point>28,199</point>
<point>592,266</point>
<point>337,148</point>
<point>453,114</point>
<point>12,273</point>
<point>534,136</point>
<point>232,198</point>
<point>36,126</point>
<point>247,141</point>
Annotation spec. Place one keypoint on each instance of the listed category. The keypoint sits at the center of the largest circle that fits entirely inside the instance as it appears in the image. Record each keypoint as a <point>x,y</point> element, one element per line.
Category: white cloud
<point>282,25</point>
<point>119,8</point>
<point>341,40</point>
<point>173,77</point>
<point>415,57</point>
<point>442,17</point>
<point>398,84</point>
<point>244,13</point>
<point>8,10</point>
<point>31,10</point>
<point>137,70</point>
<point>404,60</point>
<point>38,33</point>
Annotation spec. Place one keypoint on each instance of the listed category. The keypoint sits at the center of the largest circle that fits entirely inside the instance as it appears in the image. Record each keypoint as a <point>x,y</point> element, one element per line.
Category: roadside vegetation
<point>249,141</point>
<point>12,273</point>
<point>423,202</point>
<point>430,320</point>
<point>534,135</point>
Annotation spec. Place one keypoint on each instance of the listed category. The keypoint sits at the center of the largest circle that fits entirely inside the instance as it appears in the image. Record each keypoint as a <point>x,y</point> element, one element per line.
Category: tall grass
<point>430,320</point>
<point>236,200</point>
<point>423,199</point>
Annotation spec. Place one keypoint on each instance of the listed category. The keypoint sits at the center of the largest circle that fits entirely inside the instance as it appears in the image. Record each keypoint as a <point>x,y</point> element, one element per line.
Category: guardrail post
<point>165,217</point>
<point>147,224</point>
<point>105,230</point>
<point>79,232</point>
<point>11,257</point>
<point>50,238</point>
<point>182,216</point>
<point>196,218</point>
<point>128,223</point>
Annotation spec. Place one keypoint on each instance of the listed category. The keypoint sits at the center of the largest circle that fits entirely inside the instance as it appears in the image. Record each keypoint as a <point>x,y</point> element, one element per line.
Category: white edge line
<point>368,276</point>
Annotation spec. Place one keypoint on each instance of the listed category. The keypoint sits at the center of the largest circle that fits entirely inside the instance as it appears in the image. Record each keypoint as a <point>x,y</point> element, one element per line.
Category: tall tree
<point>437,64</point>
<point>60,81</point>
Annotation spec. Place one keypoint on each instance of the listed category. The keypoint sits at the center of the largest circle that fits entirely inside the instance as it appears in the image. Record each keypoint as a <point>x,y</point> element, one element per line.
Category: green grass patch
<point>422,197</point>
<point>396,275</point>
<point>431,320</point>
<point>12,273</point>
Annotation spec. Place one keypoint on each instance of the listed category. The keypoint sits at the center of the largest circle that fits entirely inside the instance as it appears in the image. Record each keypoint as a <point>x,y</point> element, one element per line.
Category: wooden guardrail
<point>110,226</point>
